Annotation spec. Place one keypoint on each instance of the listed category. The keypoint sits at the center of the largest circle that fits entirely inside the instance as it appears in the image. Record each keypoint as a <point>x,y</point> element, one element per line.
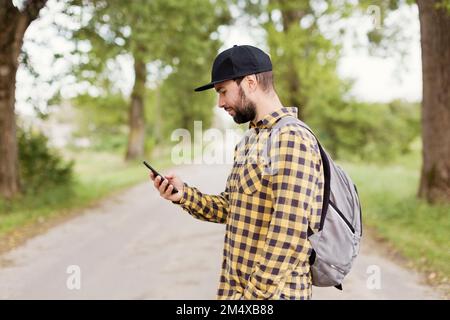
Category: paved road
<point>137,246</point>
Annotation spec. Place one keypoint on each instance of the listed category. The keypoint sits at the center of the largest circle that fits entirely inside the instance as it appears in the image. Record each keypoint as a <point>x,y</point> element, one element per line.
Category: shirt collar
<point>269,120</point>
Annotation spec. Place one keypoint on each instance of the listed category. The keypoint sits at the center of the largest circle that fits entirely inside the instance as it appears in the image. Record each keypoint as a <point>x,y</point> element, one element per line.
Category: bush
<point>103,120</point>
<point>368,131</point>
<point>40,166</point>
<point>109,142</point>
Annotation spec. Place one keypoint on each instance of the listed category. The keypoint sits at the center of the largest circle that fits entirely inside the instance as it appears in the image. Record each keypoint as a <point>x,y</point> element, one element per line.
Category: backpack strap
<point>326,164</point>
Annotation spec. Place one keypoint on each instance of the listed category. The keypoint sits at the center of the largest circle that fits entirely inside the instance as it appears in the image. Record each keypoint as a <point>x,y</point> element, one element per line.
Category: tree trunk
<point>158,123</point>
<point>295,91</point>
<point>10,43</point>
<point>13,24</point>
<point>296,97</point>
<point>136,138</point>
<point>9,174</point>
<point>435,42</point>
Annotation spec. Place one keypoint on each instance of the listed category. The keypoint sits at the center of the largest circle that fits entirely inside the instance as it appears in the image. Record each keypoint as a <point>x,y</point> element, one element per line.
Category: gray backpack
<point>336,244</point>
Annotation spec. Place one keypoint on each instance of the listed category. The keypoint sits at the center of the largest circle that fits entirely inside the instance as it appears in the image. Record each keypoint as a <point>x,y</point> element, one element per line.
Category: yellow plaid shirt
<point>266,206</point>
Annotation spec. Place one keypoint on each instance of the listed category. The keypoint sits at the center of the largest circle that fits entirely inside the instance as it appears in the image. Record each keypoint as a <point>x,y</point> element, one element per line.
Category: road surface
<point>136,245</point>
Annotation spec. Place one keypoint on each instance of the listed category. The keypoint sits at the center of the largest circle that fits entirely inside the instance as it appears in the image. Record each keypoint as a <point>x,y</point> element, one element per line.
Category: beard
<point>246,110</point>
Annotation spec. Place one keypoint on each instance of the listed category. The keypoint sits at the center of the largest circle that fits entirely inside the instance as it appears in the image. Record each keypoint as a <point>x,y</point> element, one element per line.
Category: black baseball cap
<point>236,62</point>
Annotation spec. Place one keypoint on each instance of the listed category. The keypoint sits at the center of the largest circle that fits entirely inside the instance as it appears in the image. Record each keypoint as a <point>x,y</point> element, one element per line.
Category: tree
<point>303,54</point>
<point>150,32</point>
<point>13,24</point>
<point>177,90</point>
<point>434,16</point>
<point>435,42</point>
<point>307,60</point>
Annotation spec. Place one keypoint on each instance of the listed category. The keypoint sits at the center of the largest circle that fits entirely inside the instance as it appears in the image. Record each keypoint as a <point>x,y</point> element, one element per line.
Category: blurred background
<point>88,89</point>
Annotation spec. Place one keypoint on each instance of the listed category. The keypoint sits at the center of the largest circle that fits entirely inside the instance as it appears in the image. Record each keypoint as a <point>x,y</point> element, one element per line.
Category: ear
<point>252,83</point>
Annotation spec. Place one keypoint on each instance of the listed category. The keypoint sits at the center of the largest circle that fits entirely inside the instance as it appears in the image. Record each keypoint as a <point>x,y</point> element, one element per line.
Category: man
<point>266,212</point>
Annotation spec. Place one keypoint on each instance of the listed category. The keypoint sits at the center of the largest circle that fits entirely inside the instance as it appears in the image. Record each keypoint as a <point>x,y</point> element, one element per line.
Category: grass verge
<point>97,175</point>
<point>415,229</point>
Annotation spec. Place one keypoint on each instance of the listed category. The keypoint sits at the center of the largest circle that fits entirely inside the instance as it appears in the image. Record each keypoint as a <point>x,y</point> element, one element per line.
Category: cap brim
<point>212,83</point>
<point>205,87</point>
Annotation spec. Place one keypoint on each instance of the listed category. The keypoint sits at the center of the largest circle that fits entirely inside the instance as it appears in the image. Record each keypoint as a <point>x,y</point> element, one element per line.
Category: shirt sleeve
<point>293,185</point>
<point>212,208</point>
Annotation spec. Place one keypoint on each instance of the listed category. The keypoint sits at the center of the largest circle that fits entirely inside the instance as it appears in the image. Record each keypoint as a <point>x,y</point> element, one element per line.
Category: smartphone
<point>156,173</point>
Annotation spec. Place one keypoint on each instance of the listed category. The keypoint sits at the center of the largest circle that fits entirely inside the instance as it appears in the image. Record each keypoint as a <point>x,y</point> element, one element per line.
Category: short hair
<point>265,80</point>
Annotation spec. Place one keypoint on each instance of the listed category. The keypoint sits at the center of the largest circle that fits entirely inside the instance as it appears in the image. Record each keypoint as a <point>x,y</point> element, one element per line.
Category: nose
<point>221,102</point>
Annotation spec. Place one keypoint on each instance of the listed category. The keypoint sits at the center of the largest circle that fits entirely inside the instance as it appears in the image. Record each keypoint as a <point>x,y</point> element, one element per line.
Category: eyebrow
<point>219,88</point>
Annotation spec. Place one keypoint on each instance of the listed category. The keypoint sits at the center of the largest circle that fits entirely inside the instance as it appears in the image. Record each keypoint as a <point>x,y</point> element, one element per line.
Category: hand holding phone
<point>156,173</point>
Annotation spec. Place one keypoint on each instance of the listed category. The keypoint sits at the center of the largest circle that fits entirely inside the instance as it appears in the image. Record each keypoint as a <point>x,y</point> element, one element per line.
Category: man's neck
<point>266,106</point>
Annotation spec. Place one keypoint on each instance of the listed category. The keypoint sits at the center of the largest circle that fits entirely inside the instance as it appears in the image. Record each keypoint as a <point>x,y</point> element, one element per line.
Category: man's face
<point>233,99</point>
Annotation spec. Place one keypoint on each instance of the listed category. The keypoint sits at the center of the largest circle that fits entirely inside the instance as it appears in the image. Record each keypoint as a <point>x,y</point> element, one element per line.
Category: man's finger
<point>156,182</point>
<point>163,186</point>
<point>168,191</point>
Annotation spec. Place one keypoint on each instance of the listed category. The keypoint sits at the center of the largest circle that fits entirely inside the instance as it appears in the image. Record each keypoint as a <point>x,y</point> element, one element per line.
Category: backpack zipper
<point>343,217</point>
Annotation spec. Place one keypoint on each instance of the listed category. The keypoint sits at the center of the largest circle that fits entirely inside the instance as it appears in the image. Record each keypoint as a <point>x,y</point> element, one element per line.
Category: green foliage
<point>176,40</point>
<point>304,57</point>
<point>40,166</point>
<point>96,175</point>
<point>445,4</point>
<point>417,230</point>
<point>103,119</point>
<point>369,132</point>
<point>180,105</point>
<point>387,39</point>
<point>109,142</point>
